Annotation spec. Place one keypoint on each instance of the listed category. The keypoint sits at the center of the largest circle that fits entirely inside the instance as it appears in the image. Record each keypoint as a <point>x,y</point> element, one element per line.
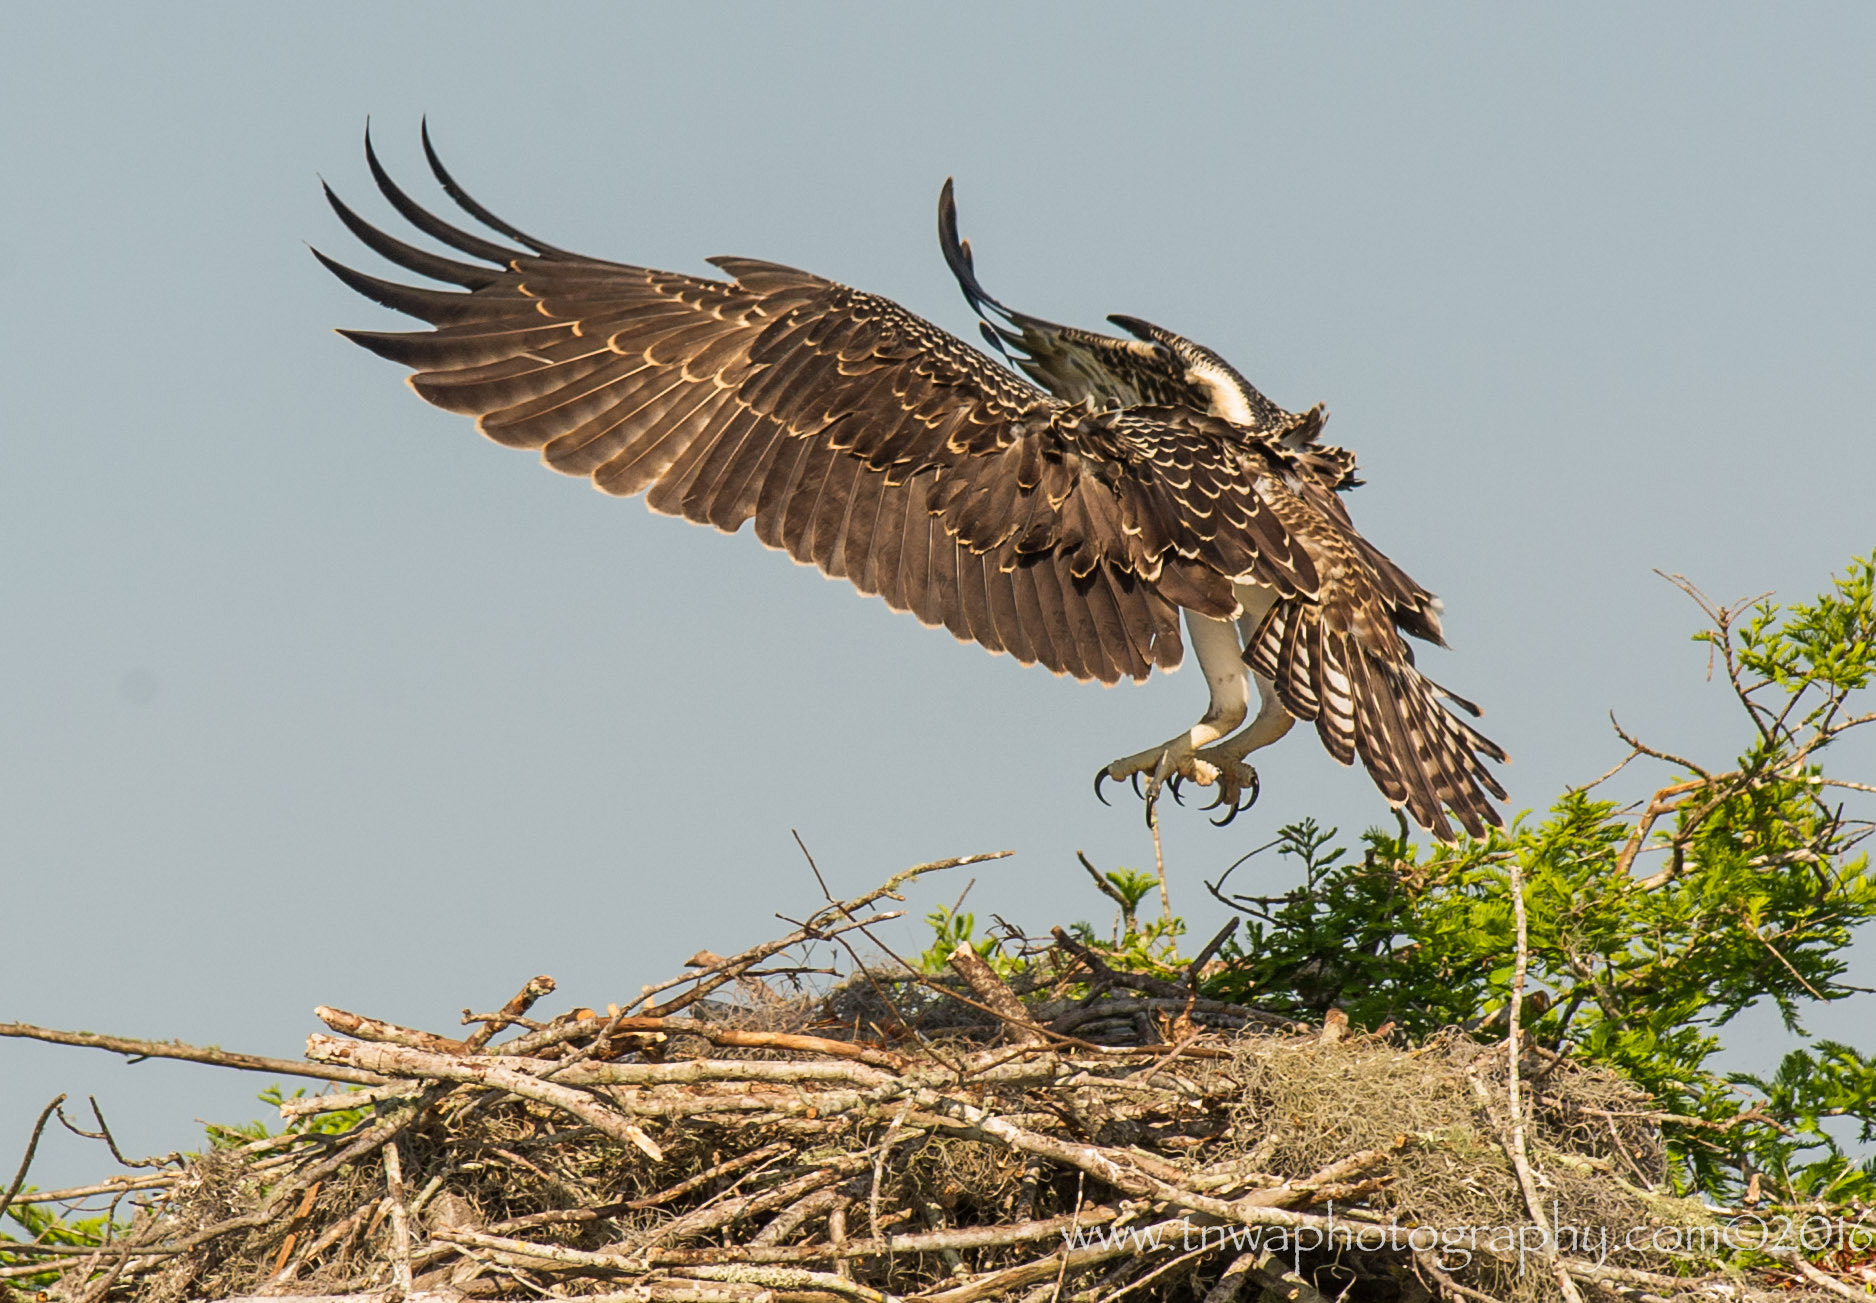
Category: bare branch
<point>26,1160</point>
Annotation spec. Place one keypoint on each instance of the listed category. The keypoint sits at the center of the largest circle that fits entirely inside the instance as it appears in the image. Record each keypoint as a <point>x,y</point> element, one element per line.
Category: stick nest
<point>1064,1130</point>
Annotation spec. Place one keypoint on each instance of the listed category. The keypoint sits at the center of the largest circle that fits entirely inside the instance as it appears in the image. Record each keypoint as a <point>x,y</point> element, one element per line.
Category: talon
<point>1173,785</point>
<point>1244,799</point>
<point>1101,776</point>
<point>1134,778</point>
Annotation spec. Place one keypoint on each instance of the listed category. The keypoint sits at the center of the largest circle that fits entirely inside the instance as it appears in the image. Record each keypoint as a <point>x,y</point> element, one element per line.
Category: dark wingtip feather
<point>434,306</point>
<point>468,204</point>
<point>408,256</point>
<point>431,225</point>
<point>388,345</point>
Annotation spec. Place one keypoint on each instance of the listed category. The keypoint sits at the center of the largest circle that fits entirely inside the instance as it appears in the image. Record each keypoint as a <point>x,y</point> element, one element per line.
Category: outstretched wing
<point>857,436</point>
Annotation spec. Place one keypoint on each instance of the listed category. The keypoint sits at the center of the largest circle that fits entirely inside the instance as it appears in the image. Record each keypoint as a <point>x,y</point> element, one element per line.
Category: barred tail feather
<point>1373,703</point>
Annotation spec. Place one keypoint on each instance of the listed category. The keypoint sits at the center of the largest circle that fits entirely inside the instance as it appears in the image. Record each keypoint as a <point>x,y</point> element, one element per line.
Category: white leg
<point>1221,659</point>
<point>1271,722</point>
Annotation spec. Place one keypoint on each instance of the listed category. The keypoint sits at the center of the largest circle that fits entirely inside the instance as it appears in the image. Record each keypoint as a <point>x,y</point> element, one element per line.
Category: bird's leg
<point>1237,784</point>
<point>1221,659</point>
<point>1236,778</point>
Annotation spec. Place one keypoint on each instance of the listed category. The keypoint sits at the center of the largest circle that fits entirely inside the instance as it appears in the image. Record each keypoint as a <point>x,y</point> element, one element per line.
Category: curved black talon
<point>1135,779</point>
<point>1173,784</point>
<point>1243,802</point>
<point>1101,776</point>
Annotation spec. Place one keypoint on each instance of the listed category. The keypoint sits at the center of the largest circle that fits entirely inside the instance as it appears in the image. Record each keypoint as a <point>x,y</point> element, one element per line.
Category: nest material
<point>1104,1135</point>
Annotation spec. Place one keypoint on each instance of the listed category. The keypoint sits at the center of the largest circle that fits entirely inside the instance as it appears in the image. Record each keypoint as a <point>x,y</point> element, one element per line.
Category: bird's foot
<point>1169,767</point>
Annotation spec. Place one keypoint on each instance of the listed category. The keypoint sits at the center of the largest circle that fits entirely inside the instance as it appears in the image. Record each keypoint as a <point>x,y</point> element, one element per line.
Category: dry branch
<point>137,1050</point>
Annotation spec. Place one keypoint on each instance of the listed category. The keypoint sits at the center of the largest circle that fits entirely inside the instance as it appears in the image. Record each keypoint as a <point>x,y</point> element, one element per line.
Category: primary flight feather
<point>1067,521</point>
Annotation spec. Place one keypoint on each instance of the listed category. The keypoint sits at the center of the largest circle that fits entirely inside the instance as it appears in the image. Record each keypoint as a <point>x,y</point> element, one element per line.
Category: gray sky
<point>308,694</point>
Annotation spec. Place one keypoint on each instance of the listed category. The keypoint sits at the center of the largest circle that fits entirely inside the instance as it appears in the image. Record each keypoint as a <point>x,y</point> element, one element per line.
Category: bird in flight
<point>1066,508</point>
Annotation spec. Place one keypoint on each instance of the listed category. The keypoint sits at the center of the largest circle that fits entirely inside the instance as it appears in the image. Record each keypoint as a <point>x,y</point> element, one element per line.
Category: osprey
<point>1068,521</point>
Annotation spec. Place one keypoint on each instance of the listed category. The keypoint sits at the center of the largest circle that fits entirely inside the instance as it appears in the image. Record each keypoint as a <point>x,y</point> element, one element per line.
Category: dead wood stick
<point>341,1101</point>
<point>711,1217</point>
<point>523,1000</point>
<point>953,1239</point>
<point>1118,1169</point>
<point>333,1234</point>
<point>1232,1283</point>
<point>705,1177</point>
<point>1057,1264</point>
<point>745,1272</point>
<point>375,1296</point>
<point>524,1046</point>
<point>484,1070</point>
<point>500,1073</point>
<point>742,1039</point>
<point>790,1278</point>
<point>376,1029</point>
<point>837,1236</point>
<point>400,1218</point>
<point>689,1072</point>
<point>1328,1177</point>
<point>32,1147</point>
<point>115,1185</point>
<point>1428,1262</point>
<point>71,1251</point>
<point>295,1226</point>
<point>1201,1010</point>
<point>96,1290</point>
<point>983,979</point>
<point>1831,1283</point>
<point>798,1214</point>
<point>1195,969</point>
<point>1159,986</point>
<point>567,1216</point>
<point>104,1133</point>
<point>137,1049</point>
<point>1609,1274</point>
<point>1281,1284</point>
<point>1515,1148</point>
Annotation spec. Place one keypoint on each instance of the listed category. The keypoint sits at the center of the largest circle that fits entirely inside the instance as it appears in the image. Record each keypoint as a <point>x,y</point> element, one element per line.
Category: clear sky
<point>308,694</point>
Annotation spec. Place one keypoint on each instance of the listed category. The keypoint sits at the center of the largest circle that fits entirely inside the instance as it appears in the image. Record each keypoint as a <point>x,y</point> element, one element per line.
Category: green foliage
<point>1651,926</point>
<point>1131,886</point>
<point>317,1124</point>
<point>42,1226</point>
<point>950,930</point>
<point>1151,947</point>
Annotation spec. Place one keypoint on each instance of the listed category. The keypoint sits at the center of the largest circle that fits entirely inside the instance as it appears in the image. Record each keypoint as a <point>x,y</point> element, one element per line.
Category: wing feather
<point>923,536</point>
